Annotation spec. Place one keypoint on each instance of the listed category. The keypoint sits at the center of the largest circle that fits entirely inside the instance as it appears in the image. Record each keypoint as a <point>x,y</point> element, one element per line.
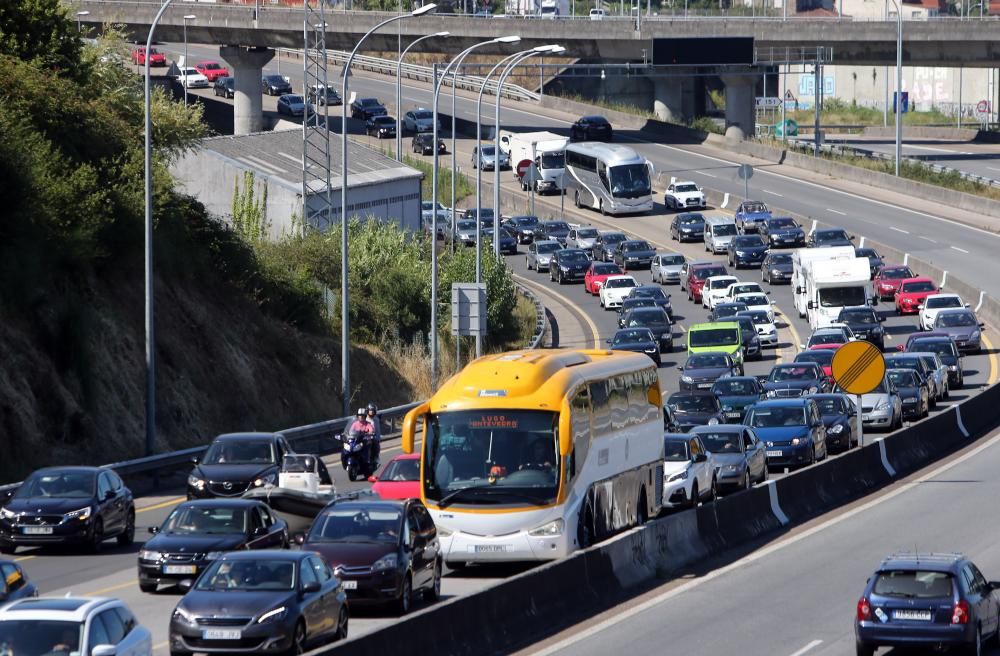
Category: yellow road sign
<point>858,367</point>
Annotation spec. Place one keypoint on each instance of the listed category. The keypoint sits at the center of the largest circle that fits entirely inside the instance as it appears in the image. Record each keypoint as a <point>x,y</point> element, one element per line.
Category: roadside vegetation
<point>837,112</point>
<point>703,123</point>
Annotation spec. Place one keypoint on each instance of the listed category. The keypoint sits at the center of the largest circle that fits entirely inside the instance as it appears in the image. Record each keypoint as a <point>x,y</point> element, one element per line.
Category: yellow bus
<point>530,455</point>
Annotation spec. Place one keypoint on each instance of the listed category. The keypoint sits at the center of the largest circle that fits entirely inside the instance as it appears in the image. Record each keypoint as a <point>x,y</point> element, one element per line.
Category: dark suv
<point>928,600</point>
<point>365,108</point>
<point>235,463</point>
<point>423,143</point>
<point>275,85</point>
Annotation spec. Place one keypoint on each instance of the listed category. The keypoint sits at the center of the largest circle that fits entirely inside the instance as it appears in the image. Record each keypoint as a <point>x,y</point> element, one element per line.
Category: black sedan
<point>865,323</point>
<point>656,320</point>
<point>636,340</point>
<point>525,226</point>
<point>199,532</point>
<point>606,244</point>
<point>260,602</point>
<point>736,394</point>
<point>689,226</point>
<point>776,267</point>
<point>746,250</point>
<point>723,311</point>
<point>875,261</point>
<point>945,347</point>
<point>631,303</point>
<point>695,409</point>
<point>380,127</point>
<point>838,416</point>
<point>569,265</point>
<point>634,254</point>
<point>913,392</point>
<point>68,505</point>
<point>655,292</point>
<point>782,231</point>
<point>508,241</point>
<point>275,85</point>
<point>365,108</point>
<point>236,462</point>
<point>795,379</point>
<point>827,237</point>
<point>14,583</point>
<point>590,128</point>
<point>554,230</point>
<point>701,370</point>
<point>225,86</point>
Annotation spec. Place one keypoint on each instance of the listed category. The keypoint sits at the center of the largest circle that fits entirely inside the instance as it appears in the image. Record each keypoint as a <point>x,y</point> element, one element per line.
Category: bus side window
<point>600,409</point>
<point>580,422</point>
<point>618,402</point>
<point>602,173</point>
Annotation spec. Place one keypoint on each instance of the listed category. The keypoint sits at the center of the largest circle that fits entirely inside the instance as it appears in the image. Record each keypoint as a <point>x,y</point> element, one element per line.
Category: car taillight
<point>864,610</point>
<point>960,613</point>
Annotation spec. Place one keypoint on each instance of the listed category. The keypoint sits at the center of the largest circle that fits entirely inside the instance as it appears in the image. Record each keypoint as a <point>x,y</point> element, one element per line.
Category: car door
<point>257,536</point>
<point>432,547</point>
<point>135,641</point>
<point>991,605</point>
<point>115,629</point>
<point>95,633</point>
<point>532,251</point>
<point>276,530</point>
<point>701,470</point>
<point>753,453</point>
<point>421,567</point>
<point>110,504</point>
<point>327,601</point>
<point>312,602</point>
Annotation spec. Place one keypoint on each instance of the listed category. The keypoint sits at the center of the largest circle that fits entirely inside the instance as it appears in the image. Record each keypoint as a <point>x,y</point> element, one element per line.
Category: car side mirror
<point>680,368</point>
<point>110,494</point>
<point>881,319</point>
<point>311,586</point>
<point>607,341</point>
<point>104,650</point>
<point>194,460</point>
<point>153,530</point>
<point>372,479</point>
<point>185,584</point>
<point>701,457</point>
<point>994,585</point>
<point>982,326</point>
<point>299,538</point>
<point>920,307</point>
<point>259,531</point>
<point>851,237</point>
<point>811,305</point>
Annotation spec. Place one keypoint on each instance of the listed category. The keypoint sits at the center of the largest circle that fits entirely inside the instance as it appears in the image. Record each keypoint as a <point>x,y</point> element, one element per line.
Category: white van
<point>719,231</point>
<point>598,14</point>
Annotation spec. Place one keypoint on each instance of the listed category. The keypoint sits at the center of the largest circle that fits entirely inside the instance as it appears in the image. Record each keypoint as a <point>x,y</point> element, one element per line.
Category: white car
<point>192,79</point>
<point>684,195</point>
<point>96,626</point>
<point>756,301</point>
<point>615,289</point>
<point>934,304</point>
<point>688,471</point>
<point>714,290</point>
<point>763,321</point>
<point>743,288</point>
<point>880,408</point>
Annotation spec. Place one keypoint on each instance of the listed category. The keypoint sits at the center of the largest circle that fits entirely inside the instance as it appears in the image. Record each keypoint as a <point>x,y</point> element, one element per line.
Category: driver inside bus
<point>540,455</point>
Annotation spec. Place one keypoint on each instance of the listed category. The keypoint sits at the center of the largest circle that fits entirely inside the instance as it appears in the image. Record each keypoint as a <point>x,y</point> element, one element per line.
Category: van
<point>597,14</point>
<point>719,336</point>
<point>719,231</point>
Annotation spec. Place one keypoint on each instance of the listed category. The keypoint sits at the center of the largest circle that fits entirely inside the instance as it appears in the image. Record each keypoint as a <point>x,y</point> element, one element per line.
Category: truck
<point>555,8</point>
<point>523,7</point>
<point>832,285</point>
<point>546,150</point>
<point>801,260</point>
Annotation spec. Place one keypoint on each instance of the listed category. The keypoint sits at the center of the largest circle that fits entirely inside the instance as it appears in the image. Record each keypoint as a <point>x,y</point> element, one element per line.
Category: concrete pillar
<point>247,66</point>
<point>673,98</point>
<point>740,105</point>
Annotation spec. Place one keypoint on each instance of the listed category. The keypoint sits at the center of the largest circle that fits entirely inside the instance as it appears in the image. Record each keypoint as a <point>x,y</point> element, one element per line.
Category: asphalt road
<point>975,158</point>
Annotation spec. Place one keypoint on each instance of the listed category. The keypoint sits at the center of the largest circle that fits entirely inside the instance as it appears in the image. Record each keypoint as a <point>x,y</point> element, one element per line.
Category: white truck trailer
<point>546,150</point>
<point>801,260</point>
<point>832,285</point>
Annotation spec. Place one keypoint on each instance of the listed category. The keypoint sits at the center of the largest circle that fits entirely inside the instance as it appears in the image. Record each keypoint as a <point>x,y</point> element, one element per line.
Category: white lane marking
<point>760,554</point>
<point>905,232</point>
<point>960,250</point>
<point>993,168</point>
<point>927,239</point>
<point>885,458</point>
<point>958,416</point>
<point>836,211</point>
<point>811,645</point>
<point>772,493</point>
<point>703,173</point>
<point>773,193</point>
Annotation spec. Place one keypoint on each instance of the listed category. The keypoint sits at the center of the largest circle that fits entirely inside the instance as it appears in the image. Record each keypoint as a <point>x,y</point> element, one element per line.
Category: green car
<point>719,336</point>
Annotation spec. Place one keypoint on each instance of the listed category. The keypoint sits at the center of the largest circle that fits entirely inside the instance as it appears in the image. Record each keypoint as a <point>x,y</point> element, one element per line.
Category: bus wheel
<point>601,205</point>
<point>641,513</point>
<point>585,528</point>
<point>576,199</point>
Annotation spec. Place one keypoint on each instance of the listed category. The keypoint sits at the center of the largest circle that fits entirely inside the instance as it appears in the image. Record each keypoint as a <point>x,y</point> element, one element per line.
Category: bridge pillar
<point>248,102</point>
<point>673,98</point>
<point>740,106</point>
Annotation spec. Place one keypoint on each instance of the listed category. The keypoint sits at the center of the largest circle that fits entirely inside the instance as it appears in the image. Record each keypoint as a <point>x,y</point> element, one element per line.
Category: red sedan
<point>596,274</point>
<point>825,357</point>
<point>399,479</point>
<point>213,70</point>
<point>887,280</point>
<point>912,292</point>
<point>156,58</point>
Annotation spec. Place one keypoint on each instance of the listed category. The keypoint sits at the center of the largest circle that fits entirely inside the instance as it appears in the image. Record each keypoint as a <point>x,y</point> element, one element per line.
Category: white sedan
<point>743,288</point>
<point>714,290</point>
<point>615,289</point>
<point>763,321</point>
<point>192,79</point>
<point>756,301</point>
<point>688,471</point>
<point>934,304</point>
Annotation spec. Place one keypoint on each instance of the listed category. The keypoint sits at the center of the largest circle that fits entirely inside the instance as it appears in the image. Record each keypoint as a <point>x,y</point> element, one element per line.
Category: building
<point>377,186</point>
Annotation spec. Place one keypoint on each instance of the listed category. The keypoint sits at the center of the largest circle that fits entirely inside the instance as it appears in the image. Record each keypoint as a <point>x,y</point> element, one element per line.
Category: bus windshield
<point>630,181</point>
<point>492,457</point>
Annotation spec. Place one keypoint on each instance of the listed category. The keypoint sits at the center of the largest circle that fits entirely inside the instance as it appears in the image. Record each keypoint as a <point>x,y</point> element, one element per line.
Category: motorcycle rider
<point>372,411</point>
<point>366,431</point>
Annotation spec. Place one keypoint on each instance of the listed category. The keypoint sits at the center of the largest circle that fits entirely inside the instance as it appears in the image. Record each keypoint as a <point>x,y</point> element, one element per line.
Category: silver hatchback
<point>540,254</point>
<point>666,268</point>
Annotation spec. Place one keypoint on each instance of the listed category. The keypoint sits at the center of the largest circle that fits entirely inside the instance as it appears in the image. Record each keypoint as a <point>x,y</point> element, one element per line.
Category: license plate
<point>221,634</point>
<point>37,530</point>
<point>704,385</point>
<point>491,548</point>
<point>919,615</point>
<point>180,569</point>
<point>774,454</point>
<point>349,585</point>
<point>734,415</point>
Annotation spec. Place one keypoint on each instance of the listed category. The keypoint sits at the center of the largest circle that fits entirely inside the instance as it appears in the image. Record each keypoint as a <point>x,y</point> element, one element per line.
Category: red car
<point>912,292</point>
<point>826,359</point>
<point>399,479</point>
<point>213,70</point>
<point>697,274</point>
<point>156,58</point>
<point>596,274</point>
<point>888,278</point>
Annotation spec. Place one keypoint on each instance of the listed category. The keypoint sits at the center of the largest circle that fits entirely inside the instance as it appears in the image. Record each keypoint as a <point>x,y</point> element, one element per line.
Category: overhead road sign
<point>703,51</point>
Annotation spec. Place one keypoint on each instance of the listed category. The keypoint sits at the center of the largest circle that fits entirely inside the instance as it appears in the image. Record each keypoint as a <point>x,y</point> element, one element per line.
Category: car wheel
<point>976,648</point>
<point>128,535</point>
<point>864,650</point>
<point>405,597</point>
<point>352,473</point>
<point>433,593</point>
<point>693,503</point>
<point>601,207</point>
<point>7,547</point>
<point>298,645</point>
<point>746,480</point>
<point>343,620</point>
<point>763,474</point>
<point>147,587</point>
<point>96,537</point>
<point>713,494</point>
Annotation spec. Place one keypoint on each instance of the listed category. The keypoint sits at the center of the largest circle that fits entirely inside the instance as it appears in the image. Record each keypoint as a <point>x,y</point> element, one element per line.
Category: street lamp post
<point>399,93</point>
<point>186,64</point>
<point>345,320</point>
<point>79,16</point>
<point>899,85</point>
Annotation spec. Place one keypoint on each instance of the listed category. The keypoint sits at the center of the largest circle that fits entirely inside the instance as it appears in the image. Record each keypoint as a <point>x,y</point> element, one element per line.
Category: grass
<point>837,112</point>
<point>463,186</point>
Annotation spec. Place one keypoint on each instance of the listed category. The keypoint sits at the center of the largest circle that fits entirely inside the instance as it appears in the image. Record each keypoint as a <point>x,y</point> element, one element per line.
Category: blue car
<point>927,601</point>
<point>791,429</point>
<point>14,583</point>
<point>782,231</point>
<point>736,394</point>
<point>750,214</point>
<point>746,250</point>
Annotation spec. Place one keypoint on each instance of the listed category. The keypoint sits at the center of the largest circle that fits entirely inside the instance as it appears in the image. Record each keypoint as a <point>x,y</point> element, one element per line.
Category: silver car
<point>881,408</point>
<point>581,237</point>
<point>465,232</point>
<point>420,120</point>
<point>99,626</point>
<point>666,268</point>
<point>938,371</point>
<point>540,254</point>
<point>324,95</point>
<point>485,158</point>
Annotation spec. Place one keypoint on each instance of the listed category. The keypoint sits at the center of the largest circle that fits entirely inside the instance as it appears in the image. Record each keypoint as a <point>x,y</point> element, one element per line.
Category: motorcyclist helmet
<point>361,412</point>
<point>372,408</point>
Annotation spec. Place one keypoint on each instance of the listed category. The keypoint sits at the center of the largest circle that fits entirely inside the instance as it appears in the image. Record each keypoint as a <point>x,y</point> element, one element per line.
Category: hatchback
<point>73,625</point>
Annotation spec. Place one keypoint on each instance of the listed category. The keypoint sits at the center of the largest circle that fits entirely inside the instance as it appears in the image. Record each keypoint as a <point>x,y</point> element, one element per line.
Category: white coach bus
<point>610,178</point>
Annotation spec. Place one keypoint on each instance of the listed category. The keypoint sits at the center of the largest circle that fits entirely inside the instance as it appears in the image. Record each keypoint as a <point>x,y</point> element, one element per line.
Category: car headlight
<point>146,554</point>
<point>266,479</point>
<point>83,514</point>
<point>741,254</point>
<point>795,440</point>
<point>182,614</point>
<point>770,393</point>
<point>273,615</point>
<point>713,421</point>
<point>650,350</point>
<point>883,405</point>
<point>552,529</point>
<point>385,562</point>
<point>214,555</point>
<point>196,482</point>
<point>730,468</point>
<point>836,430</point>
<point>974,335</point>
<point>687,379</point>
<point>7,514</point>
<point>951,367</point>
<point>910,400</point>
<point>679,476</point>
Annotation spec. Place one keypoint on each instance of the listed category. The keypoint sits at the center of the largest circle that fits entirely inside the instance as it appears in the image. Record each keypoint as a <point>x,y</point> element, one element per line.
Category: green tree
<point>40,31</point>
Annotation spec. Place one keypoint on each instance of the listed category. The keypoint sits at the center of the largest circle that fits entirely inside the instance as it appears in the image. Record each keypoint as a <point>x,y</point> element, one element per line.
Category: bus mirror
<point>565,429</point>
<point>410,425</point>
<point>652,169</point>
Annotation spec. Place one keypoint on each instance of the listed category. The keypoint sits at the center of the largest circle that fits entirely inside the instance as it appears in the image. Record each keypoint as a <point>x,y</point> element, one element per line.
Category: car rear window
<point>913,584</point>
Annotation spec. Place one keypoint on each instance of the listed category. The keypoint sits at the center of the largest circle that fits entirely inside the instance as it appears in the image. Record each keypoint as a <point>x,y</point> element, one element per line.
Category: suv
<point>606,244</point>
<point>235,463</point>
<point>929,600</point>
<point>97,626</point>
<point>684,195</point>
<point>423,143</point>
<point>365,108</point>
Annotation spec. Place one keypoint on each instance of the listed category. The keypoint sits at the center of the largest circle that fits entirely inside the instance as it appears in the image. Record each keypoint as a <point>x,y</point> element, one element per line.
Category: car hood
<point>722,459</point>
<point>47,505</point>
<point>233,472</point>
<point>830,420</point>
<point>671,467</point>
<point>738,402</point>
<point>791,384</point>
<point>693,417</point>
<point>643,253</point>
<point>787,232</point>
<point>397,489</point>
<point>908,392</point>
<point>958,332</point>
<point>672,268</point>
<point>636,348</point>
<point>235,603</point>
<point>834,242</point>
<point>178,543</point>
<point>707,372</point>
<point>351,554</point>
<point>687,194</point>
<point>756,216</point>
<point>782,434</point>
<point>784,267</point>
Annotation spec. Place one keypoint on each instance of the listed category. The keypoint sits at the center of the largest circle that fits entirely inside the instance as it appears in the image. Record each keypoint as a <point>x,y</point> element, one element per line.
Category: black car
<point>275,85</point>
<point>826,237</point>
<point>692,409</point>
<point>508,240</point>
<point>554,230</point>
<point>524,226</point>
<point>776,267</point>
<point>746,250</point>
<point>380,127</point>
<point>383,551</point>
<point>636,340</point>
<point>723,311</point>
<point>225,86</point>
<point>236,462</point>
<point>606,244</point>
<point>82,506</point>
<point>689,226</point>
<point>795,379</point>
<point>839,414</point>
<point>748,331</point>
<point>484,213</point>
<point>568,265</point>
<point>629,304</point>
<point>14,583</point>
<point>701,370</point>
<point>655,292</point>
<point>782,231</point>
<point>423,144</point>
<point>865,323</point>
<point>196,533</point>
<point>945,347</point>
<point>590,128</point>
<point>913,392</point>
<point>875,261</point>
<point>634,254</point>
<point>365,108</point>
<point>260,602</point>
<point>656,320</point>
<point>736,394</point>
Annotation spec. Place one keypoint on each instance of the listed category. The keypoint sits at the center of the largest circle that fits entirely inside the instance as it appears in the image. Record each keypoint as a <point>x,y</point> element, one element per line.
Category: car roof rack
<point>930,556</point>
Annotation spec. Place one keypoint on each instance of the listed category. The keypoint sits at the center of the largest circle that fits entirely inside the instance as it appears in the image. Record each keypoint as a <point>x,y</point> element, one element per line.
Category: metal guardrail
<point>540,321</point>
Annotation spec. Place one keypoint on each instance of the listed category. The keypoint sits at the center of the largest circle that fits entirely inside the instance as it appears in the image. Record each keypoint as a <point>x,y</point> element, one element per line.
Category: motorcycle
<point>356,455</point>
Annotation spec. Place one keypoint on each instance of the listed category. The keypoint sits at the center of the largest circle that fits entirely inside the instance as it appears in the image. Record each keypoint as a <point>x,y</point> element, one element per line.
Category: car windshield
<point>724,230</point>
<point>721,441</point>
<point>752,241</point>
<point>629,180</point>
<point>706,360</point>
<point>866,252</point>
<point>896,273</point>
<point>623,337</point>
<point>553,160</point>
<point>58,485</point>
<point>708,272</point>
<point>550,247</point>
<point>369,102</point>
<point>675,451</point>
<point>759,317</point>
<point>574,257</point>
<point>211,66</point>
<point>648,317</point>
<point>671,260</point>
<point>939,346</point>
<point>613,238</point>
<point>34,637</point>
<point>649,292</point>
<point>556,227</point>
<point>293,99</point>
<point>781,258</point>
<point>775,416</point>
<point>826,338</point>
<point>382,120</point>
<point>781,223</point>
<point>720,283</point>
<point>902,377</point>
<point>636,246</point>
<point>841,296</point>
<point>487,150</point>
<point>694,402</point>
<point>524,221</point>
<point>275,79</point>
<point>240,452</point>
<point>586,233</point>
<point>487,456</point>
<point>407,469</point>
<point>466,224</point>
<point>734,387</point>
<point>726,310</point>
<point>830,405</point>
<point>831,235</point>
<point>422,114</point>
<point>955,319</point>
<point>606,269</point>
<point>686,188</point>
<point>618,283</point>
<point>754,299</point>
<point>705,337</point>
<point>919,286</point>
<point>186,520</point>
<point>858,316</point>
<point>262,574</point>
<point>636,302</point>
<point>820,357</point>
<point>692,219</point>
<point>945,302</point>
<point>913,584</point>
<point>792,372</point>
<point>754,207</point>
<point>353,523</point>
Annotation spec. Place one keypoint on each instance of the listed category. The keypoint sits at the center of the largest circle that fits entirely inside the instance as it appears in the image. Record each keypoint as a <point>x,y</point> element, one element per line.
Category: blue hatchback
<point>927,600</point>
<point>792,430</point>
